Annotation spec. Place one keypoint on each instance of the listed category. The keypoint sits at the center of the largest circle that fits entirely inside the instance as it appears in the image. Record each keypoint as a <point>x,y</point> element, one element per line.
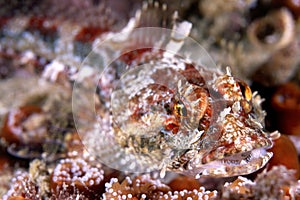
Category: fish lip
<point>234,165</point>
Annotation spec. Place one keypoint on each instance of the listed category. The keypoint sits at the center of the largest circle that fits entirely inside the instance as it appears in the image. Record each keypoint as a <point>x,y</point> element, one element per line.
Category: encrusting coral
<point>143,187</point>
<point>76,176</point>
<point>278,183</point>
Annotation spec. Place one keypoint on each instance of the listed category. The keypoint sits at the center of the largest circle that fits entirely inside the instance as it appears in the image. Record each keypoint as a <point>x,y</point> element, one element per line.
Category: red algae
<point>285,153</point>
<point>286,103</point>
<point>182,182</point>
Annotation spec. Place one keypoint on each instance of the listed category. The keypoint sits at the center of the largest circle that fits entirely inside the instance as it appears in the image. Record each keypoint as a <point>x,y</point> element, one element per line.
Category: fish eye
<point>246,90</point>
<point>180,109</point>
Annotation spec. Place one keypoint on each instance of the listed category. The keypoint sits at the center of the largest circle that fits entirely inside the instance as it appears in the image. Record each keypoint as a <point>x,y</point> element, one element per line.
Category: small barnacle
<point>76,176</point>
<point>280,67</point>
<point>276,34</point>
<point>273,32</point>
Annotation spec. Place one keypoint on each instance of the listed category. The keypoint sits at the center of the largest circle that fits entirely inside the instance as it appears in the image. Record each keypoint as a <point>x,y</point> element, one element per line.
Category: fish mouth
<point>235,165</point>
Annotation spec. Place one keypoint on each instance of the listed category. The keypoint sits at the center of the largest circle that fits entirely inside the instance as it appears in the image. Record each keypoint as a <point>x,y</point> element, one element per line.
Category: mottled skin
<point>203,126</point>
